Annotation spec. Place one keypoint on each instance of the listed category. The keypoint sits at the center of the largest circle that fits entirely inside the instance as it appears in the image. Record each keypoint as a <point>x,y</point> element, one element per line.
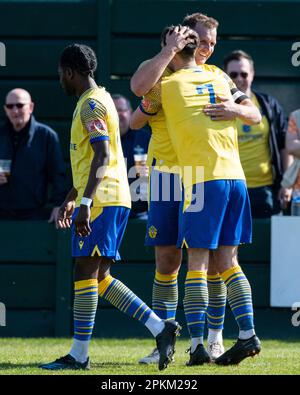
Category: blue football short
<point>224,217</point>
<point>164,201</point>
<point>108,226</point>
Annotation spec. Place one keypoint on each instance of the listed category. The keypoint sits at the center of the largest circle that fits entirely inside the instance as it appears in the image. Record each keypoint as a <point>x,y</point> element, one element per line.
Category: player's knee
<point>224,258</point>
<point>168,259</point>
<point>104,268</point>
<point>86,268</point>
<point>225,264</point>
<point>212,266</point>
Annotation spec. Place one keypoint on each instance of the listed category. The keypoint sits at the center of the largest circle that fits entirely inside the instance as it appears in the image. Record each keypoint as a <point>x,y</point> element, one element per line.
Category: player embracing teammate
<point>197,107</point>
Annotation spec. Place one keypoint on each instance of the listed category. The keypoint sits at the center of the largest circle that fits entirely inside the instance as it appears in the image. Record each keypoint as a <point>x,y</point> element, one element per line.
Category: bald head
<point>21,95</point>
<point>18,108</point>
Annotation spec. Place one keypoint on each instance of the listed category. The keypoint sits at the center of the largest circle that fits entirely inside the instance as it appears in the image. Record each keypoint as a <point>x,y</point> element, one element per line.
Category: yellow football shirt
<point>96,118</point>
<point>160,150</point>
<point>201,145</point>
<point>161,153</point>
<point>255,152</point>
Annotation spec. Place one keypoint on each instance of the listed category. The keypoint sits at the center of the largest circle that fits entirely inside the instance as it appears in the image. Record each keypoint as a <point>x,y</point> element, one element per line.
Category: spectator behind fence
<point>262,146</point>
<point>30,161</point>
<point>292,175</point>
<point>134,142</point>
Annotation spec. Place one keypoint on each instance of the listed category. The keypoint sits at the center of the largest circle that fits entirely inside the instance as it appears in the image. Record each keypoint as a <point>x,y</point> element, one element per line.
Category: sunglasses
<point>234,74</point>
<point>18,105</point>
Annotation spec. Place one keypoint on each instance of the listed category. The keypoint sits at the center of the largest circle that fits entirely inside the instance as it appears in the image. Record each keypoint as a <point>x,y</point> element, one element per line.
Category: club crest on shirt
<point>92,105</point>
<point>152,232</point>
<point>96,125</point>
<point>150,106</point>
<point>246,128</point>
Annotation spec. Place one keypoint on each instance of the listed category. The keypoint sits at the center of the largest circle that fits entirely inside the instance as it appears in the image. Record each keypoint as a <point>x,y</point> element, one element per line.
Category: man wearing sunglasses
<point>262,146</point>
<point>30,160</point>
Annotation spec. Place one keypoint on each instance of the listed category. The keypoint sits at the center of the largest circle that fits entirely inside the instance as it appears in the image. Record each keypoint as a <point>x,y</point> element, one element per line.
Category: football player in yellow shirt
<point>215,211</point>
<point>97,209</point>
<point>162,229</point>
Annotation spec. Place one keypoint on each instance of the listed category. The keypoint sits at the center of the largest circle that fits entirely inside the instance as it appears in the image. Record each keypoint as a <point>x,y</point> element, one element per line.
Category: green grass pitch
<point>120,356</point>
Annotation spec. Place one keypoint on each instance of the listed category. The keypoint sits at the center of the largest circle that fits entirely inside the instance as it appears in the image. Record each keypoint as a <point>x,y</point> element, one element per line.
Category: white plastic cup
<point>5,167</point>
<point>139,162</point>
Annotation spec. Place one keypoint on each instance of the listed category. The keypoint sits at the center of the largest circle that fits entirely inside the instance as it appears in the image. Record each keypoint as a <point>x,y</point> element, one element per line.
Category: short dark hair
<point>80,58</point>
<point>189,50</point>
<point>117,96</point>
<point>193,19</point>
<point>238,54</point>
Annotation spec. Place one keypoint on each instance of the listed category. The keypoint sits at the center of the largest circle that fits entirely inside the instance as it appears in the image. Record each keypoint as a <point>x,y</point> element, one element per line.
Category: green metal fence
<point>36,282</point>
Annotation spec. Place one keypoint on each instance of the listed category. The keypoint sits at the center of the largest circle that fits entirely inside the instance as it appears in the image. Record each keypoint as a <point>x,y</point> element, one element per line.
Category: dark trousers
<point>39,213</point>
<point>264,202</point>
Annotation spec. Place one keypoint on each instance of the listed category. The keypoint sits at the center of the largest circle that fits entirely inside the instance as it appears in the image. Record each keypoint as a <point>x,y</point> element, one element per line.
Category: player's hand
<point>64,215</point>
<point>3,179</point>
<point>285,196</point>
<point>225,110</point>
<point>82,221</point>
<point>178,38</point>
<point>143,169</point>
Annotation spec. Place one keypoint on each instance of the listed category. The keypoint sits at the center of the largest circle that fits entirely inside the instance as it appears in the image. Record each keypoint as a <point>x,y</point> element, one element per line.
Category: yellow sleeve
<point>151,103</point>
<point>93,118</point>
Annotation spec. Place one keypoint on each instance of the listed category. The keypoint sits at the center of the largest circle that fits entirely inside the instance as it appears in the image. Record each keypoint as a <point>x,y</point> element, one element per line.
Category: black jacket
<point>135,142</point>
<point>278,127</point>
<point>36,162</point>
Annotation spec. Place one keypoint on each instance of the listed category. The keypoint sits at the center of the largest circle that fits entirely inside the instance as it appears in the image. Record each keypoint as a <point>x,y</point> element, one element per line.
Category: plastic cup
<point>5,167</point>
<point>140,163</point>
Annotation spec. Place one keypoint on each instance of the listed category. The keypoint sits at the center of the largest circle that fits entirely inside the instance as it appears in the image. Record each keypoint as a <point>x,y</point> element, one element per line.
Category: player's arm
<point>248,112</point>
<point>72,195</point>
<point>97,171</point>
<point>98,167</point>
<point>149,107</point>
<point>93,118</point>
<point>227,109</point>
<point>238,106</point>
<point>65,211</point>
<point>138,119</point>
<point>151,71</point>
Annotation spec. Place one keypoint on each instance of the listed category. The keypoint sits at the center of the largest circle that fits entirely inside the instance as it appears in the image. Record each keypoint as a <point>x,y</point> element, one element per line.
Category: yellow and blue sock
<point>239,297</point>
<point>195,302</point>
<point>85,308</point>
<point>217,294</point>
<point>123,299</point>
<point>165,295</point>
